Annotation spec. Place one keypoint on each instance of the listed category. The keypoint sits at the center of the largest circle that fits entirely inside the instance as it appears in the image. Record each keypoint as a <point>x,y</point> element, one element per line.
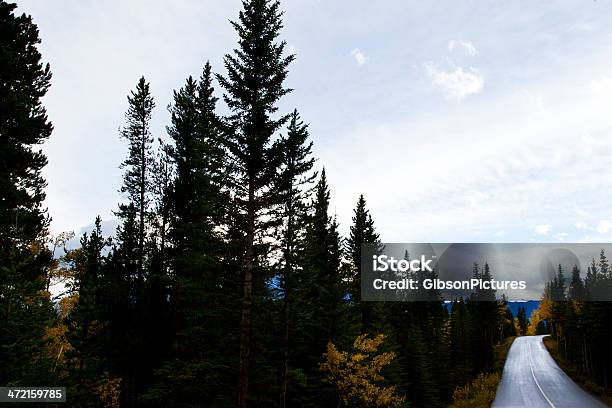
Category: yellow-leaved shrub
<point>479,393</point>
<point>357,374</point>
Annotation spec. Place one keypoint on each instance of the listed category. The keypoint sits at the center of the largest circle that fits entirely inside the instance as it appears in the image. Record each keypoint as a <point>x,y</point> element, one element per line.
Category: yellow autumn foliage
<point>109,391</point>
<point>56,335</point>
<point>545,308</point>
<point>357,374</point>
<point>479,393</point>
<point>534,321</point>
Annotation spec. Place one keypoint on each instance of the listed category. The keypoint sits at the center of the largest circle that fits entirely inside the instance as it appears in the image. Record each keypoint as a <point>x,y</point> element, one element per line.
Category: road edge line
<point>535,379</point>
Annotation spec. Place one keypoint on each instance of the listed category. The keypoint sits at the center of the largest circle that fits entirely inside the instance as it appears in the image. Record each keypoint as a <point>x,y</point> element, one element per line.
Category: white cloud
<point>602,85</point>
<point>457,84</point>
<point>465,46</point>
<point>560,236</point>
<point>604,226</point>
<point>499,233</point>
<point>476,197</point>
<point>587,139</point>
<point>584,26</point>
<point>359,56</point>
<point>543,229</point>
<point>529,167</point>
<point>580,225</point>
<point>530,163</point>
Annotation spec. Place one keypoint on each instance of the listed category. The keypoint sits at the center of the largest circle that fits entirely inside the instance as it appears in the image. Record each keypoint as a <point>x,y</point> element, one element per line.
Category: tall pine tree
<point>136,178</point>
<point>87,328</point>
<point>484,320</point>
<point>324,285</point>
<point>253,86</point>
<point>362,232</point>
<point>200,362</point>
<point>294,187</point>
<point>25,308</point>
<point>130,318</point>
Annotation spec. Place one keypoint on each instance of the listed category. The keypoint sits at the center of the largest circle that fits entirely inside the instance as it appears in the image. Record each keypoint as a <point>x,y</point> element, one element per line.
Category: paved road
<point>532,379</point>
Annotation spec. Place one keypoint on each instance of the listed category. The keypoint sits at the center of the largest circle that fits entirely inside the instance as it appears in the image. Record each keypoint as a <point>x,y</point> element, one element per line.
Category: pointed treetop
<point>322,191</point>
<point>257,70</point>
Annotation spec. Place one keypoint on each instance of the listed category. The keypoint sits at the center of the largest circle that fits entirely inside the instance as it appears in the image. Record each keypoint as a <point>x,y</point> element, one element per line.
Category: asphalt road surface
<point>532,379</point>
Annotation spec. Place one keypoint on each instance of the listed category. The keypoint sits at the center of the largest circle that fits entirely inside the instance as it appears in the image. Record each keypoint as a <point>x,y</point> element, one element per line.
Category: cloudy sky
<point>460,121</point>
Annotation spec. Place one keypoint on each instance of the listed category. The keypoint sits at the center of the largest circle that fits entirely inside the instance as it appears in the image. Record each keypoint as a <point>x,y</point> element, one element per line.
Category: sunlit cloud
<point>604,226</point>
<point>465,46</point>
<point>456,83</point>
<point>543,229</point>
<point>359,56</point>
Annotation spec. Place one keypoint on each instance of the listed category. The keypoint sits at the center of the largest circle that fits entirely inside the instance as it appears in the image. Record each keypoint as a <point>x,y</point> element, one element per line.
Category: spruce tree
<point>199,196</point>
<point>253,86</point>
<point>129,317</point>
<point>484,314</point>
<point>25,307</point>
<point>461,352</point>
<point>294,186</point>
<point>121,299</point>
<point>576,289</point>
<point>557,294</point>
<point>162,175</point>
<point>125,262</point>
<point>423,317</point>
<point>87,328</point>
<point>137,166</point>
<point>361,232</point>
<point>199,368</point>
<point>24,126</point>
<point>154,308</point>
<point>324,285</point>
<point>417,372</point>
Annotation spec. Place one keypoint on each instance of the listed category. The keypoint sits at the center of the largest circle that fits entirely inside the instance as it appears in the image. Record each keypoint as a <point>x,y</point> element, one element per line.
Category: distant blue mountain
<point>513,305</point>
<point>529,305</point>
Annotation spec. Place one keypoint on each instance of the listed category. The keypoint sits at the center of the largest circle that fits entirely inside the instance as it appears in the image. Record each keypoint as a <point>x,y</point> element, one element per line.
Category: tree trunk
<point>164,220</point>
<point>247,302</point>
<point>142,203</point>
<point>285,367</point>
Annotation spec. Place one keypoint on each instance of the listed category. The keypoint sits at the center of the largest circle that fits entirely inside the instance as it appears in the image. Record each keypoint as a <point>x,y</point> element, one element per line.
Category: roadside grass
<point>584,382</point>
<point>501,352</point>
<point>480,392</point>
